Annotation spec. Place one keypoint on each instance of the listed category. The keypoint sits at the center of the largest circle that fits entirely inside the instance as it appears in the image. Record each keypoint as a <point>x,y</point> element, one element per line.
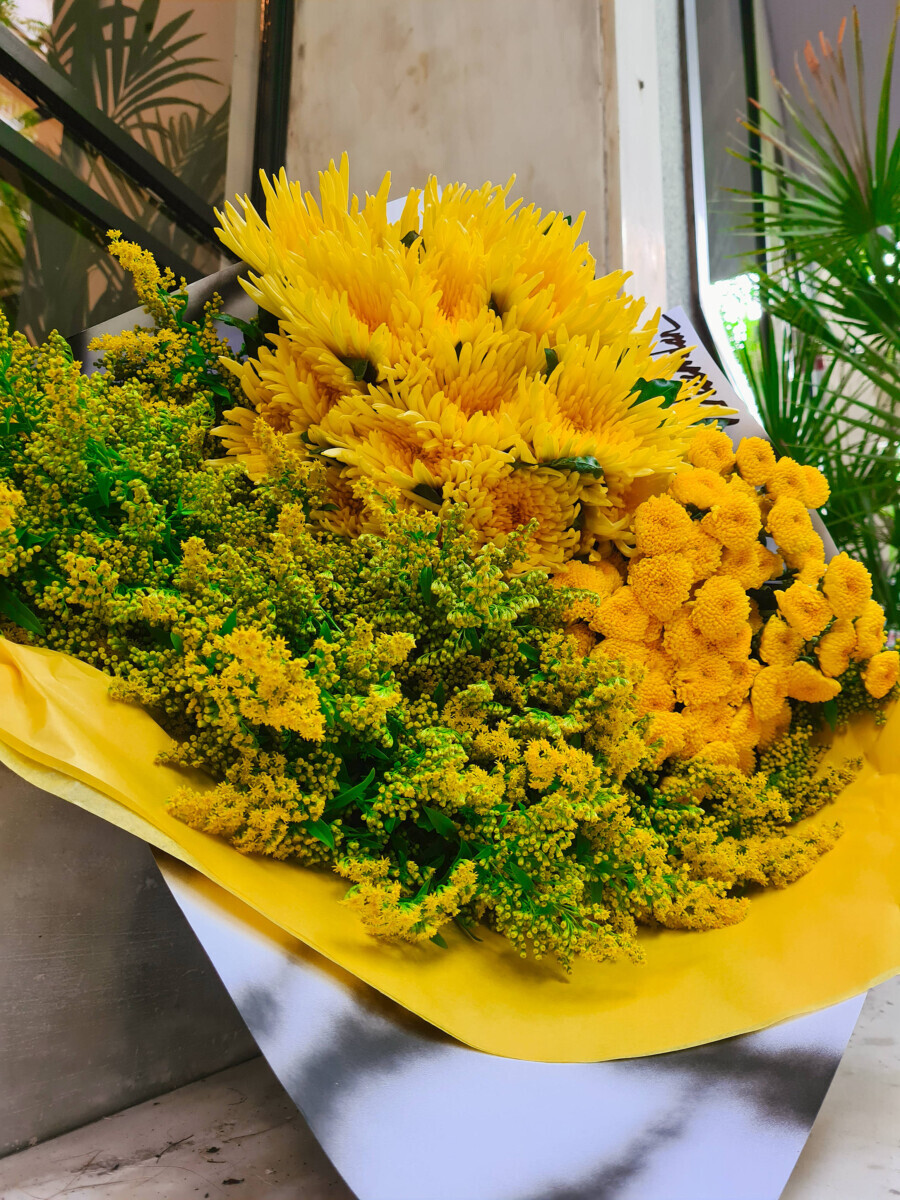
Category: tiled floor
<point>236,1136</point>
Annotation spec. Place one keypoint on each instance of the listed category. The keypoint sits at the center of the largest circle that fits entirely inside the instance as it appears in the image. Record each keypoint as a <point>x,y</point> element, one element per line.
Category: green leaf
<point>552,361</point>
<point>409,238</point>
<point>440,822</point>
<point>529,652</point>
<point>439,941</point>
<point>322,830</point>
<point>830,710</point>
<point>651,389</point>
<point>351,794</point>
<point>426,492</point>
<point>177,641</point>
<point>426,579</point>
<point>229,623</point>
<point>583,464</point>
<point>525,882</point>
<point>18,612</point>
<point>363,370</point>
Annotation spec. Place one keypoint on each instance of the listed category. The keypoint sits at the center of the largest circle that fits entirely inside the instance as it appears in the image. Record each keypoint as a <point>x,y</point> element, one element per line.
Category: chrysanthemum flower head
<point>881,673</point>
<point>789,524</point>
<point>666,729</point>
<point>662,583</point>
<point>735,522</point>
<point>817,489</point>
<point>751,564</point>
<point>805,609</point>
<point>621,616</point>
<point>721,608</point>
<point>703,553</point>
<point>712,449</point>
<point>787,479</point>
<point>848,586</point>
<point>661,526</point>
<point>769,692</point>
<point>755,460</point>
<point>779,643</point>
<point>834,648</point>
<point>804,682</point>
<point>869,628</point>
<point>682,640</point>
<point>698,486</point>
<point>702,681</point>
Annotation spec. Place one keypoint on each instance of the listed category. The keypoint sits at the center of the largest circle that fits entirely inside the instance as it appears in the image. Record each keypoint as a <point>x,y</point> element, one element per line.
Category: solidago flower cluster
<point>728,606</point>
<point>459,737</point>
<point>463,354</point>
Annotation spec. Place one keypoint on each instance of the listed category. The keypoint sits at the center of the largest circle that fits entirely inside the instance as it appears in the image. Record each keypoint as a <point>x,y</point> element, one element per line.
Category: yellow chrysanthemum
<point>804,682</point>
<point>755,460</point>
<point>772,728</point>
<point>769,692</point>
<point>666,728</point>
<point>742,675</point>
<point>582,636</point>
<point>745,728</point>
<point>712,449</point>
<point>721,608</point>
<point>779,643</point>
<point>621,616</point>
<point>817,489</point>
<point>625,650</point>
<point>705,723</point>
<point>735,522</point>
<point>661,583</point>
<point>703,553</point>
<point>804,609</point>
<point>720,754</point>
<point>661,526</point>
<point>848,586</point>
<point>834,648</point>
<point>599,579</point>
<point>736,648</point>
<point>790,525</point>
<point>703,681</point>
<point>881,673</point>
<point>751,565</point>
<point>498,507</point>
<point>654,693</point>
<point>682,640</point>
<point>869,629</point>
<point>699,487</point>
<point>756,621</point>
<point>787,479</point>
<point>470,337</point>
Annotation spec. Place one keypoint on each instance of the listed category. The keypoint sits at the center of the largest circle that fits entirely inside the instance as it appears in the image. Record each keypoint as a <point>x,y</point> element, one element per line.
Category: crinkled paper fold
<point>827,937</point>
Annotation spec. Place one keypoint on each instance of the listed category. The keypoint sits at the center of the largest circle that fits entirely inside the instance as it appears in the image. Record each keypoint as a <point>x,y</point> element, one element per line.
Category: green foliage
<point>831,223</point>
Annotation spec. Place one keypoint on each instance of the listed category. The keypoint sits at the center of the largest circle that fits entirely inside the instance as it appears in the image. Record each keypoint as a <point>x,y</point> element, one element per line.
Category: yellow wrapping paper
<point>827,937</point>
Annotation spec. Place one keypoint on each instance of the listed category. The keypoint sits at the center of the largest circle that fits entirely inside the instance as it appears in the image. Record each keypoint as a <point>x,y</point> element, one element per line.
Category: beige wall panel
<point>465,89</point>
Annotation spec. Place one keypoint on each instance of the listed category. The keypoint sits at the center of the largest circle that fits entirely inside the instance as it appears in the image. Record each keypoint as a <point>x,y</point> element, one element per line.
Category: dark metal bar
<point>71,191</point>
<point>751,84</point>
<point>55,93</point>
<point>273,95</point>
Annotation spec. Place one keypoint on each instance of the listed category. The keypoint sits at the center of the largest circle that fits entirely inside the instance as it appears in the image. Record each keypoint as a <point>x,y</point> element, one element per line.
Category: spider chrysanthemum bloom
<point>848,586</point>
<point>721,608</point>
<point>755,460</point>
<point>470,337</point>
<point>790,525</point>
<point>804,609</point>
<point>882,673</point>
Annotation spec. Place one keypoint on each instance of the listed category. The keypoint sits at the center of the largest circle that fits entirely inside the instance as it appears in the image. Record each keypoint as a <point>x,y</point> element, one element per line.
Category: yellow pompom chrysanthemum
<point>721,608</point>
<point>755,460</point>
<point>848,586</point>
<point>661,583</point>
<point>804,609</point>
<point>712,449</point>
<point>869,627</point>
<point>882,673</point>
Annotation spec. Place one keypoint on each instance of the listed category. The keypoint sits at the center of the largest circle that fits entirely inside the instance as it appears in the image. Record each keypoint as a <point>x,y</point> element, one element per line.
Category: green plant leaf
<point>440,822</point>
<point>18,612</point>
<point>322,830</point>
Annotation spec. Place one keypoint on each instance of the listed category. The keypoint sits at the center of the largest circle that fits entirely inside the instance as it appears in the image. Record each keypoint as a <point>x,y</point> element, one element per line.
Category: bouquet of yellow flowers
<point>445,583</point>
